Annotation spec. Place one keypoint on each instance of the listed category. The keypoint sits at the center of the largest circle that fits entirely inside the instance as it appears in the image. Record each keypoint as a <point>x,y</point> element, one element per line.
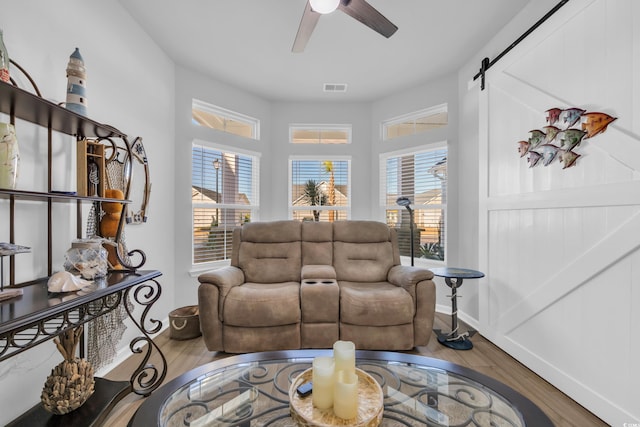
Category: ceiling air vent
<point>335,87</point>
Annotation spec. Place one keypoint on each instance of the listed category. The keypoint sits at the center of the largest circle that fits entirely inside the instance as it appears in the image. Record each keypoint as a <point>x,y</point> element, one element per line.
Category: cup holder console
<point>319,282</point>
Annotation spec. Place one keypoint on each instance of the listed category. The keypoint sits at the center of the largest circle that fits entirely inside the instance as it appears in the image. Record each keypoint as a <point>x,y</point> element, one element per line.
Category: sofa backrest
<point>268,252</point>
<point>364,251</point>
<point>273,252</point>
<point>317,243</point>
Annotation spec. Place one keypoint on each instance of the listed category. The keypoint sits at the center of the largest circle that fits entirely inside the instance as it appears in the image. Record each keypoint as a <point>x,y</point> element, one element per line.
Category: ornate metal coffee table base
<point>253,389</point>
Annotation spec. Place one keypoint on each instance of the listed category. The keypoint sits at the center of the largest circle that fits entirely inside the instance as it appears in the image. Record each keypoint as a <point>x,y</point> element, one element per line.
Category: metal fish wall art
<point>596,123</point>
<point>568,158</point>
<point>570,117</point>
<point>523,147</point>
<point>549,153</point>
<point>534,158</point>
<point>571,138</point>
<point>559,139</point>
<point>537,138</point>
<point>551,133</point>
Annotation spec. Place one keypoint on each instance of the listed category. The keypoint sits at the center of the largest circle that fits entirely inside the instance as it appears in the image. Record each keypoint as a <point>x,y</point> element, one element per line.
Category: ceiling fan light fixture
<point>324,6</point>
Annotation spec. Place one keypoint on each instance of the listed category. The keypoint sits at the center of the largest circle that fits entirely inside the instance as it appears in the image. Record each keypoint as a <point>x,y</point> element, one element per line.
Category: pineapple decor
<point>71,382</point>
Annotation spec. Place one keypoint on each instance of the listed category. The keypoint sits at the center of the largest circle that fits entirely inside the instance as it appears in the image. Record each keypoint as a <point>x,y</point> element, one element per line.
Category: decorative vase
<point>4,61</point>
<point>9,156</point>
<point>71,382</point>
<point>87,257</point>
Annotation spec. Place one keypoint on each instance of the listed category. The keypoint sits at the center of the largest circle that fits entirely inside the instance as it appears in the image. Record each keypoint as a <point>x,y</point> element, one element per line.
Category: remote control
<point>305,389</point>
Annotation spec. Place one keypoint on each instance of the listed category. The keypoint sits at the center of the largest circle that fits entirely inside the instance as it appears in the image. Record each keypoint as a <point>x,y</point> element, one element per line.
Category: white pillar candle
<point>322,377</point>
<point>344,353</point>
<point>345,395</point>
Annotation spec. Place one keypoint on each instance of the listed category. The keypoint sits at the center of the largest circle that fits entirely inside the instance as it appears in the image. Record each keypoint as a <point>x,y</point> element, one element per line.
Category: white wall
<point>275,150</point>
<point>561,246</point>
<point>130,86</point>
<point>284,114</point>
<point>443,90</point>
<point>190,85</point>
<point>135,87</point>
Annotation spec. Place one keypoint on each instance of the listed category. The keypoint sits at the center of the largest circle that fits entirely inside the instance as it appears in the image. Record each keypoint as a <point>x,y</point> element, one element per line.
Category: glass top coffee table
<point>252,390</point>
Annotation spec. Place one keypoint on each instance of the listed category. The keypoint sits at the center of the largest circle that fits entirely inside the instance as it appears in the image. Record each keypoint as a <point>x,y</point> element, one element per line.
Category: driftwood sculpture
<point>71,382</point>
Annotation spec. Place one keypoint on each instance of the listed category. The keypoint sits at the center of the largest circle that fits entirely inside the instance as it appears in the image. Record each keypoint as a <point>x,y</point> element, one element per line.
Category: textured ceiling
<point>247,43</point>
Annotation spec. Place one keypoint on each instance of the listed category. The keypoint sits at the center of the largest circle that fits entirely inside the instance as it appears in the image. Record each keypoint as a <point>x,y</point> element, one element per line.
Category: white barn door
<point>560,247</point>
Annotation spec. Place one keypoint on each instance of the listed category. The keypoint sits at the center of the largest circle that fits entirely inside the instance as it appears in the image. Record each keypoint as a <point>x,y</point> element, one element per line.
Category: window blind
<point>224,196</point>
<point>319,189</point>
<point>422,177</point>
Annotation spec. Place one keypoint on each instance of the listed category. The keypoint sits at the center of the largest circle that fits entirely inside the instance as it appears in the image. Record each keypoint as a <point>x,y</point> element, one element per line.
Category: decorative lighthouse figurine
<point>76,84</point>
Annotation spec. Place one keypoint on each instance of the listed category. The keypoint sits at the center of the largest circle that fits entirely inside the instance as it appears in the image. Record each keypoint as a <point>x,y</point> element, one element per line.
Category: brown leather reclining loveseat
<point>298,284</point>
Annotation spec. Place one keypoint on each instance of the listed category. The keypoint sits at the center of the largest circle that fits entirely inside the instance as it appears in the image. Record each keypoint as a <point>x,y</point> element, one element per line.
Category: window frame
<point>291,208</point>
<point>383,157</point>
<point>348,128</point>
<point>227,114</point>
<point>254,207</point>
<point>412,116</point>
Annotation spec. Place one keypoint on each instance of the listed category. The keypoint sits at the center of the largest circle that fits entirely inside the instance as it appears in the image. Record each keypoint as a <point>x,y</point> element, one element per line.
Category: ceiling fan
<point>358,9</point>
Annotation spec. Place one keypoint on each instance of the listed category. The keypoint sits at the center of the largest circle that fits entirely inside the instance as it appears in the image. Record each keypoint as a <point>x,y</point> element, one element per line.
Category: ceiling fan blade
<point>307,24</point>
<point>368,15</point>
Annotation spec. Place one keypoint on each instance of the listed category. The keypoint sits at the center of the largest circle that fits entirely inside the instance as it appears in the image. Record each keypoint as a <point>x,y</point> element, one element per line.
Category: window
<point>422,177</point>
<point>416,122</point>
<point>320,134</point>
<point>224,188</point>
<point>319,189</point>
<point>218,118</point>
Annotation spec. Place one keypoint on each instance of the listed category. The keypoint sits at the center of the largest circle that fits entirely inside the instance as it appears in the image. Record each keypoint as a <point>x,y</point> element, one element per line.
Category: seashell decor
<point>63,281</point>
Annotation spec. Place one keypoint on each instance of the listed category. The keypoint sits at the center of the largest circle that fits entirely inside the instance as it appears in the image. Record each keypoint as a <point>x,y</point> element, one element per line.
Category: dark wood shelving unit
<point>37,315</point>
<point>32,108</point>
<point>56,196</point>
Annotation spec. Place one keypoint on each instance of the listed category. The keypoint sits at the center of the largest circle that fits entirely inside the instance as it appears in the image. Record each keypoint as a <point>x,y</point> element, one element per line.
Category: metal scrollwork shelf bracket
<point>146,377</point>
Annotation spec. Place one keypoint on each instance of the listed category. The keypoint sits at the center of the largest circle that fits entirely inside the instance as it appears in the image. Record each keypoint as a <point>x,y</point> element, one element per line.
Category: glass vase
<point>9,156</point>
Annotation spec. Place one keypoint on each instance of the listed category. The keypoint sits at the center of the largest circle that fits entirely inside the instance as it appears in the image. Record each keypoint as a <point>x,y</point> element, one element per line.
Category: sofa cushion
<point>362,262</point>
<point>311,271</point>
<point>269,252</point>
<point>362,251</point>
<point>272,232</point>
<point>260,304</point>
<point>361,231</point>
<point>270,262</point>
<point>317,247</point>
<point>375,304</point>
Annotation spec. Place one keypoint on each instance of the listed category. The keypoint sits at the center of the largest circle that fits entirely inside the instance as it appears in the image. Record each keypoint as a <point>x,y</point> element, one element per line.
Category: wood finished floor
<point>484,357</point>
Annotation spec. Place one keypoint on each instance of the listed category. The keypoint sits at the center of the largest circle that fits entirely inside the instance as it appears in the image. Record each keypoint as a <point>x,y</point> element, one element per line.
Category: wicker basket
<point>370,404</point>
<point>184,323</point>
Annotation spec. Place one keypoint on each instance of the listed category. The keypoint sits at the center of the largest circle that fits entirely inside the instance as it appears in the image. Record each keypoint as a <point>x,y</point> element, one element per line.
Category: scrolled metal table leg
<point>147,377</point>
<point>454,339</point>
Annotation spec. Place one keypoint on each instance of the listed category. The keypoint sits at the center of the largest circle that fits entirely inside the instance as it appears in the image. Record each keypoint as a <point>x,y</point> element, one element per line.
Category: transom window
<point>320,134</point>
<point>421,176</point>
<point>416,122</point>
<point>224,195</point>
<point>218,118</point>
<point>319,189</point>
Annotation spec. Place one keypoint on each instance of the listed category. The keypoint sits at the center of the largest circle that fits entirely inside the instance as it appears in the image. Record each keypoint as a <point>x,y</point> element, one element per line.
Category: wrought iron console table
<point>38,316</point>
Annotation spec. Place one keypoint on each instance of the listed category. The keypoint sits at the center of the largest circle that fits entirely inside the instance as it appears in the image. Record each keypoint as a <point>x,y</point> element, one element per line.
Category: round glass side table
<point>453,278</point>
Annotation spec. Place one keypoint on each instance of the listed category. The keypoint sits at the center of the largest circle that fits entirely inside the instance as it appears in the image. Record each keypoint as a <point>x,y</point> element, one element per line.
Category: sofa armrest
<point>224,279</point>
<point>318,272</point>
<point>407,276</point>
<point>419,283</point>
